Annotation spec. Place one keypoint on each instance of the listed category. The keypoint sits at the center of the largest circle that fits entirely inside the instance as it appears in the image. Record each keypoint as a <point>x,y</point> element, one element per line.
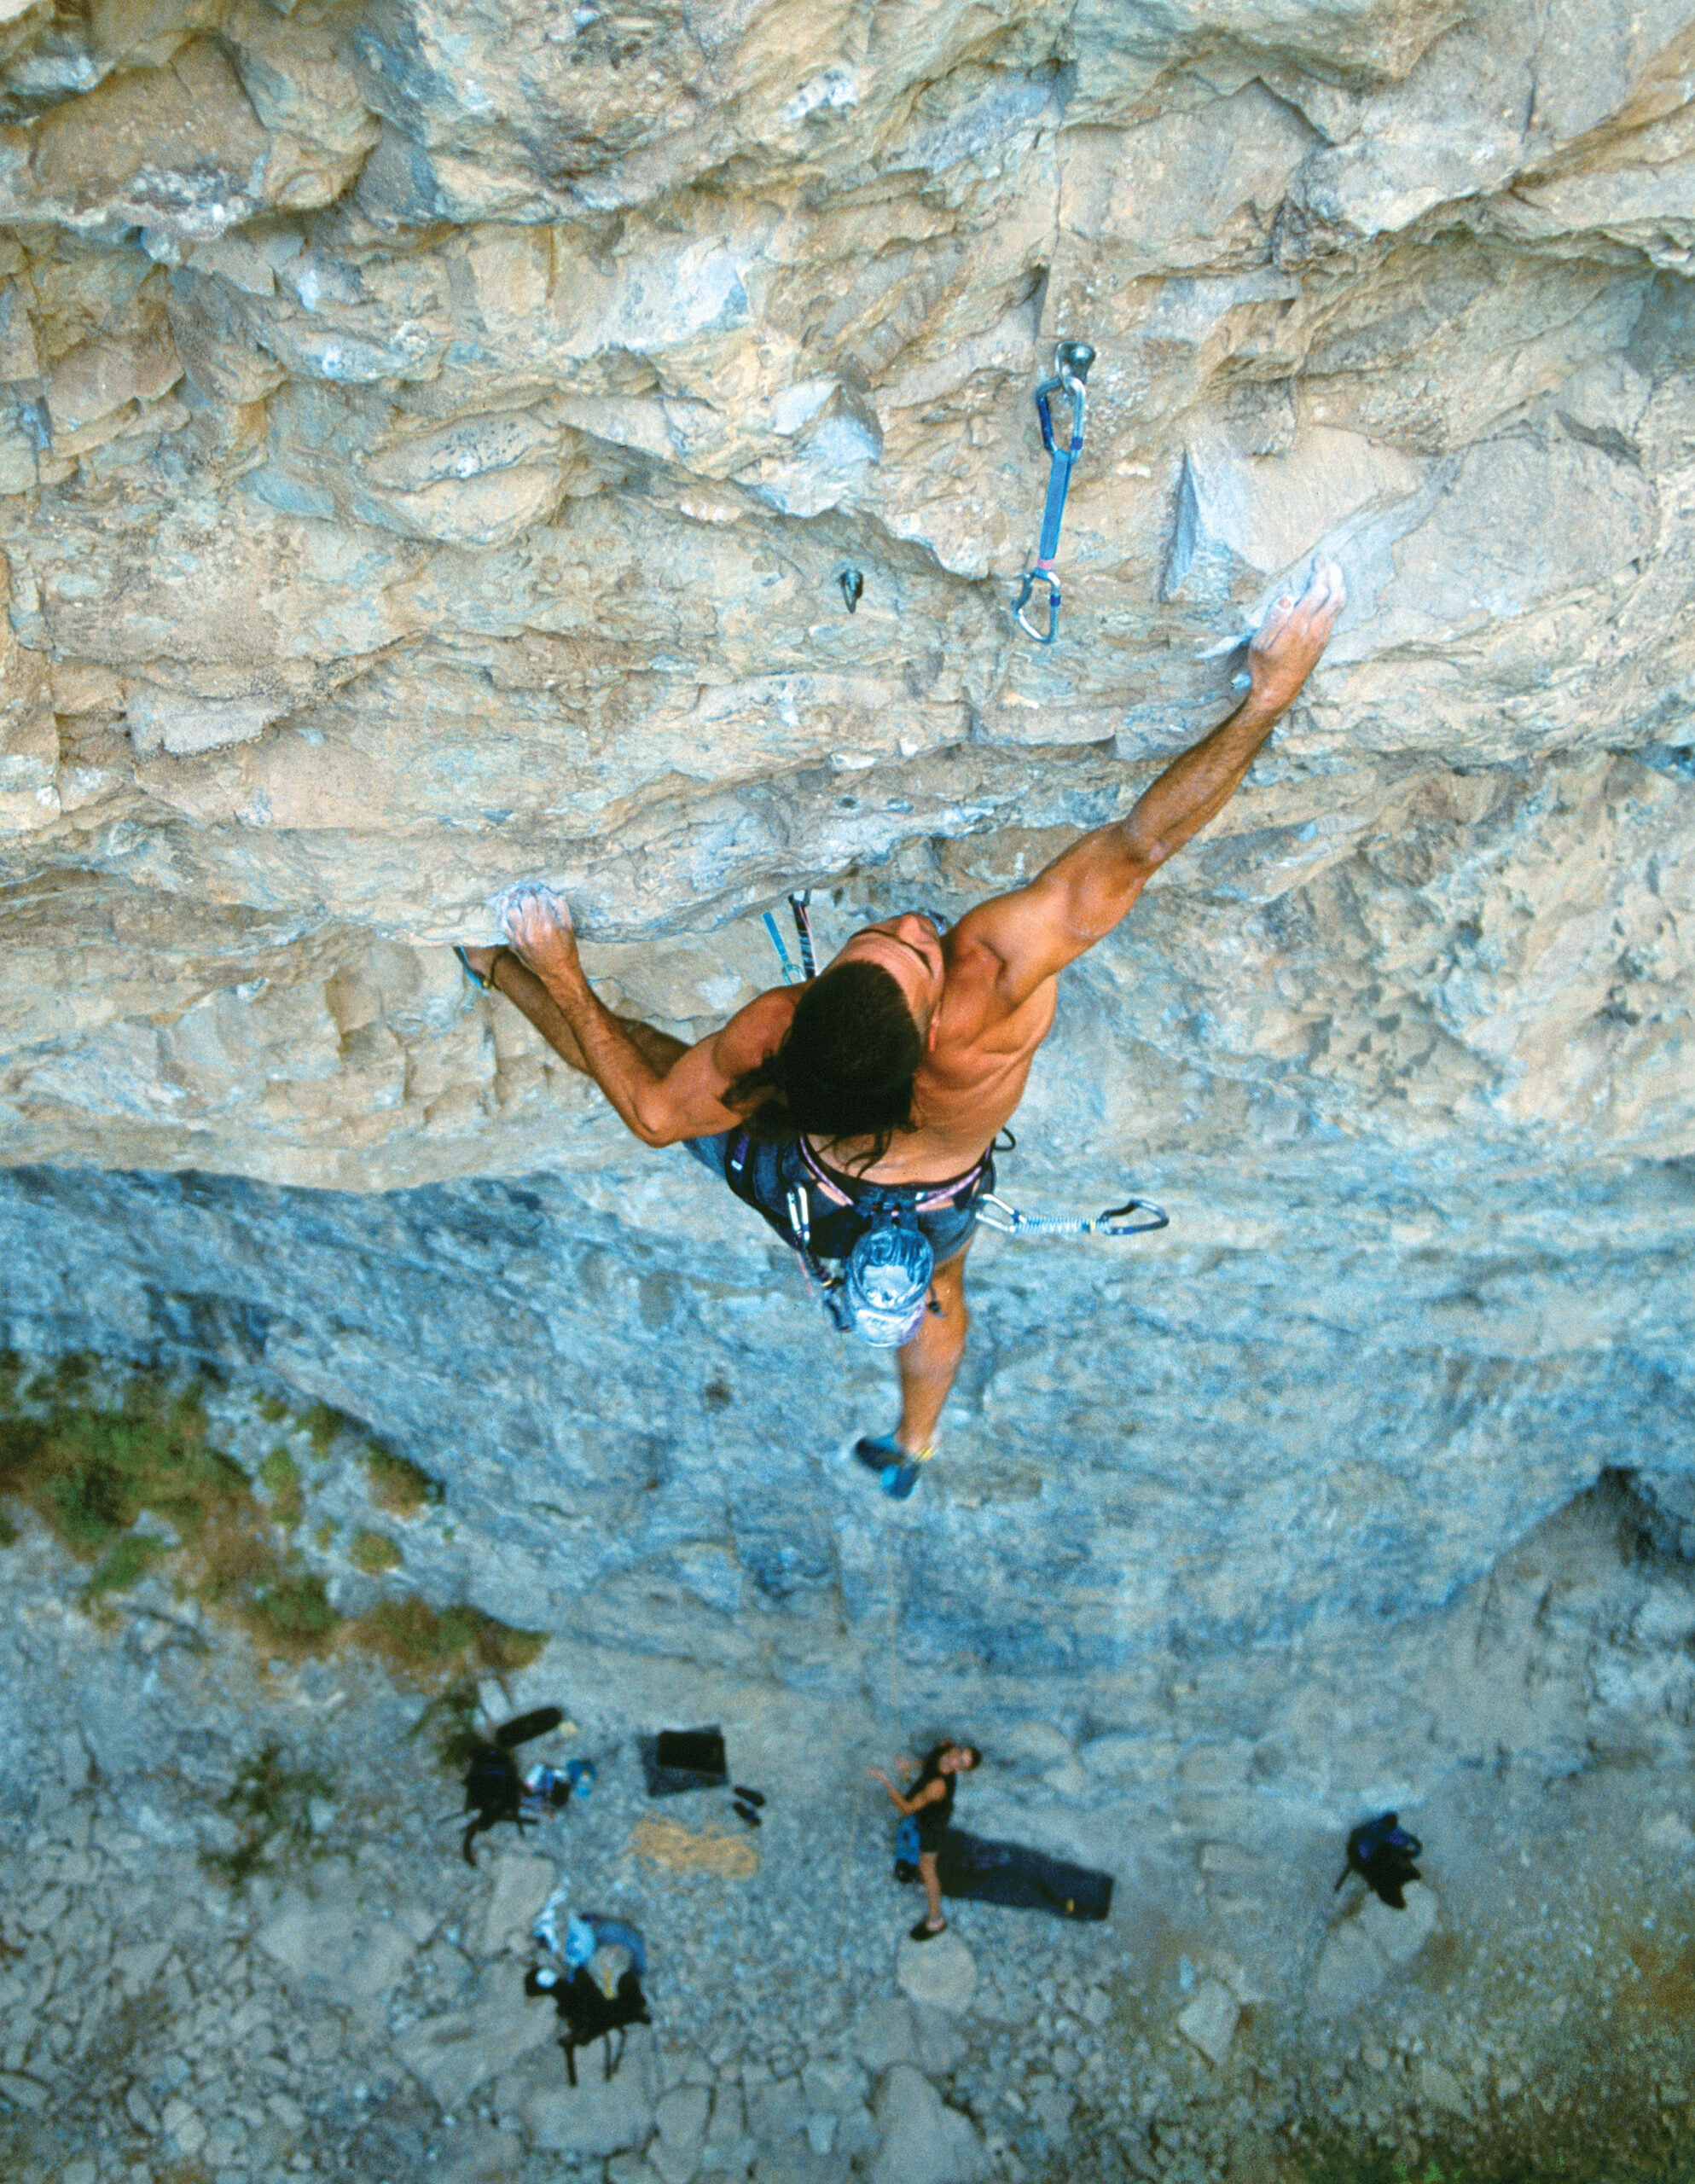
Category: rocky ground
<point>238,1942</point>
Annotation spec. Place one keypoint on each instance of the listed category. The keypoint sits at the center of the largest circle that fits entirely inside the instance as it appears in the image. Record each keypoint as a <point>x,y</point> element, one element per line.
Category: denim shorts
<point>772,1171</point>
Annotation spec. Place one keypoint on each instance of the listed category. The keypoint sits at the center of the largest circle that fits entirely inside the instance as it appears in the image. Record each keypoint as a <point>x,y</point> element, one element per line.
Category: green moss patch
<point>399,1487</point>
<point>324,1426</point>
<point>280,1476</point>
<point>90,1465</point>
<point>439,1645</point>
<point>88,1471</point>
<point>373,1552</point>
<point>130,1561</point>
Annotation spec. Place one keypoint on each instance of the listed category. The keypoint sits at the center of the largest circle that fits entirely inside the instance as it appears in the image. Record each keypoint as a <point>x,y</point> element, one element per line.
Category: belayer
<point>927,1811</point>
<point>857,1112</point>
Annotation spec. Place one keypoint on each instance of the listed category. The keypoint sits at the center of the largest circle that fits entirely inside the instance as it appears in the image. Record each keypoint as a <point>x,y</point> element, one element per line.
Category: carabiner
<point>1112,1222</point>
<point>1031,577</point>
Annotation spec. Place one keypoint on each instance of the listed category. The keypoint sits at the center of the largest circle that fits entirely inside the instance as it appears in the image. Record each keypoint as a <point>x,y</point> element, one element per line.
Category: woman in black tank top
<point>930,1803</point>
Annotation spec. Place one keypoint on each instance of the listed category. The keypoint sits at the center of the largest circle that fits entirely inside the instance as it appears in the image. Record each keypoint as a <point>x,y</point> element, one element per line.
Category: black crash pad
<point>1011,1873</point>
<point>677,1761</point>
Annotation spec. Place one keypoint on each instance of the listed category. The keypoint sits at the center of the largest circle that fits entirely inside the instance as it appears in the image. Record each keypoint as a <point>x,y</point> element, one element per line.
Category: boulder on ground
<point>455,2052</point>
<point>522,1885</point>
<point>598,2114</point>
<point>1365,1948</point>
<point>884,2032</point>
<point>1208,2022</point>
<point>923,2141</point>
<point>942,1972</point>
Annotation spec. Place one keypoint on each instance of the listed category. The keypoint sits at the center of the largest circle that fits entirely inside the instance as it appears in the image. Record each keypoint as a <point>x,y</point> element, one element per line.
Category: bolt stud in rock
<point>853,589</point>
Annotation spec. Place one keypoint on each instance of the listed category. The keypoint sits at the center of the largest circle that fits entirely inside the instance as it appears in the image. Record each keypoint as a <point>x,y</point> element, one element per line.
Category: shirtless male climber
<point>874,1093</point>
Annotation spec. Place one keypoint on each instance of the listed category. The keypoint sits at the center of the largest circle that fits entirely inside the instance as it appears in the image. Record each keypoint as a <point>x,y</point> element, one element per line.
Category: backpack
<point>494,1789</point>
<point>589,2013</point>
<point>1381,1852</point>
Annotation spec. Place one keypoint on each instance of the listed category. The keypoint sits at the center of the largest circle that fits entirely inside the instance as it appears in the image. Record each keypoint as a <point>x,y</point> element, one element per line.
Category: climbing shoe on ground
<point>896,1470</point>
<point>924,1931</point>
<point>755,1797</point>
<point>746,1813</point>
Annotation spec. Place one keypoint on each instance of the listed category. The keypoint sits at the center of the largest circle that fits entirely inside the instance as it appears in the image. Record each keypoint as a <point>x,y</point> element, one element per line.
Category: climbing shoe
<point>896,1469</point>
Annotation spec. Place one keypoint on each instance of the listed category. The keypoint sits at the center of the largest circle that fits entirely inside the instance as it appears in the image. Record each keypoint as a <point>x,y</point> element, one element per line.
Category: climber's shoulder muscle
<point>1018,943</point>
<point>754,1033</point>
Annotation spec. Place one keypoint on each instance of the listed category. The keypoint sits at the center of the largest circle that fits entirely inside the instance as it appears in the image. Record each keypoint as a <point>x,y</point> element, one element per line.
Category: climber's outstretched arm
<point>1079,898</point>
<point>661,1104</point>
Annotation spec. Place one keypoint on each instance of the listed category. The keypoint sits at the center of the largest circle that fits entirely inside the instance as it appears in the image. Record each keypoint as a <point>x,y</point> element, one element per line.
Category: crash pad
<point>979,1870</point>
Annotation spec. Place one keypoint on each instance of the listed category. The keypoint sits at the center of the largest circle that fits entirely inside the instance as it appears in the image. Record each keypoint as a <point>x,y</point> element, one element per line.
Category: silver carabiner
<point>1030,581</point>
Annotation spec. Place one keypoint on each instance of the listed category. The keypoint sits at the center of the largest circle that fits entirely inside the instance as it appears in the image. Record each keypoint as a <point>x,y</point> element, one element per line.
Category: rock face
<point>435,440</point>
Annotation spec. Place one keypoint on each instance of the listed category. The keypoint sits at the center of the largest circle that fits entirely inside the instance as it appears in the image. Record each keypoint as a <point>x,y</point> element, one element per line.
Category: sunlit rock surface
<point>433,441</point>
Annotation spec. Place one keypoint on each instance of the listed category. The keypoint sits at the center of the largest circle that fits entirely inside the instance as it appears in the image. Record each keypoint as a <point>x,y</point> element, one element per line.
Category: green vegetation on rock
<point>271,1803</point>
<point>372,1552</point>
<point>280,1476</point>
<point>90,1463</point>
<point>400,1487</point>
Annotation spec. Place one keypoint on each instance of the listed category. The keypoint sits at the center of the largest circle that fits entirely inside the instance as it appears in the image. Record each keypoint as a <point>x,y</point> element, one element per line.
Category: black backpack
<point>1381,1852</point>
<point>590,2013</point>
<point>494,1789</point>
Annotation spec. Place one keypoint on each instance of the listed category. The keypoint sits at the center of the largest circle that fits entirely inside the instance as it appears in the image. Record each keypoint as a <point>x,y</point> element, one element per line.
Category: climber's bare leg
<point>930,1360</point>
<point>527,993</point>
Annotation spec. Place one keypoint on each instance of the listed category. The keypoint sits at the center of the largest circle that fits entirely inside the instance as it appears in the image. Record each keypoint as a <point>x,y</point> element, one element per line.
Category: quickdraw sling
<point>1071,361</point>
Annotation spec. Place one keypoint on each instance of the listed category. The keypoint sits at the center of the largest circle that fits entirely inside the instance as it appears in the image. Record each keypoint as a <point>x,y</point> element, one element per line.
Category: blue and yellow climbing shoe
<point>897,1468</point>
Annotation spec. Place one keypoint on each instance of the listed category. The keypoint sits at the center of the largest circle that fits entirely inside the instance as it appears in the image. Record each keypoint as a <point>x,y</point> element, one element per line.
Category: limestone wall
<point>432,443</point>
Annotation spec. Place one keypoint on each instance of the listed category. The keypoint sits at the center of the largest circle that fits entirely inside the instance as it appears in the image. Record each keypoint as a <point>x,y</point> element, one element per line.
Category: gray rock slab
<point>681,2117</point>
<point>1208,2021</point>
<point>924,2142</point>
<point>456,2052</point>
<point>597,2116</point>
<point>522,1883</point>
<point>884,2031</point>
<point>339,1945</point>
<point>1402,1934</point>
<point>940,1973</point>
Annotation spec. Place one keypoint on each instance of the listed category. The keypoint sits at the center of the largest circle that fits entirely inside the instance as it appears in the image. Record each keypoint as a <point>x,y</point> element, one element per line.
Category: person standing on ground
<point>931,1803</point>
<point>876,1089</point>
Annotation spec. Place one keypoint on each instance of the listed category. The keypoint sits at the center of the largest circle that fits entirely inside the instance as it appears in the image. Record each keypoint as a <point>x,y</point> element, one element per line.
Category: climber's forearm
<point>611,1057</point>
<point>901,1804</point>
<point>1193,789</point>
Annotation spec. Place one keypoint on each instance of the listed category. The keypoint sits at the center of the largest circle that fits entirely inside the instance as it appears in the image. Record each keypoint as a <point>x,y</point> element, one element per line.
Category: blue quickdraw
<point>795,974</point>
<point>1071,361</point>
<point>994,1213</point>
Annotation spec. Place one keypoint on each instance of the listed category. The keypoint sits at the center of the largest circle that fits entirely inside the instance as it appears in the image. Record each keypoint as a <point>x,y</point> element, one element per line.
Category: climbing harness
<point>882,1290</point>
<point>853,588</point>
<point>1071,361</point>
<point>795,974</point>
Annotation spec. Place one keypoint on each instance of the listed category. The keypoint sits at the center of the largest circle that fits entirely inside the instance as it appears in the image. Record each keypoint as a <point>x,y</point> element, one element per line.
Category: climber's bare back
<point>983,1038</point>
